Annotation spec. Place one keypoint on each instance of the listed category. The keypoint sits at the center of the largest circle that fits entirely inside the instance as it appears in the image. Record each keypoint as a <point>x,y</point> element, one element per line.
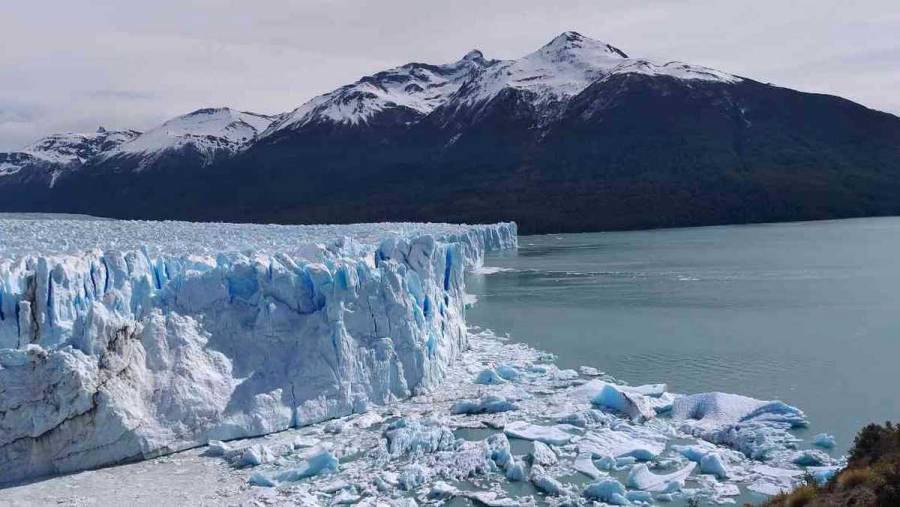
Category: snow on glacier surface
<point>123,340</point>
<point>23,234</point>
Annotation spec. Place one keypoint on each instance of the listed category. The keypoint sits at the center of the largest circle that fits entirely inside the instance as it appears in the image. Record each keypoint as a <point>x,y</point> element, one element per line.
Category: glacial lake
<point>807,313</point>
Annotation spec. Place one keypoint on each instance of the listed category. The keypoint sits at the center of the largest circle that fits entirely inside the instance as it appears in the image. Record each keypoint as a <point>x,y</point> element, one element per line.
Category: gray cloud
<point>80,64</point>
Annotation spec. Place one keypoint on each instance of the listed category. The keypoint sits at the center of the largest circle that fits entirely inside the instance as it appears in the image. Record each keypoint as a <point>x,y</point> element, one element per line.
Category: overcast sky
<point>71,65</point>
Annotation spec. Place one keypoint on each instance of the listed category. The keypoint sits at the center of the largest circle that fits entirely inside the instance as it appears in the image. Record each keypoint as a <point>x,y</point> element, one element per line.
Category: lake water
<point>808,313</point>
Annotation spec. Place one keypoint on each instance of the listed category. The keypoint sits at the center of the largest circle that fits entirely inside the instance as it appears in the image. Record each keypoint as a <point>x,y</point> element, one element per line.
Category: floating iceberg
<point>543,455</point>
<point>553,435</point>
<point>640,477</point>
<point>824,440</point>
<point>631,404</point>
<point>716,411</point>
<point>545,483</point>
<point>606,490</point>
<point>318,463</point>
<point>712,464</point>
<point>632,442</point>
<point>125,340</point>
<point>489,404</point>
<point>584,463</point>
<point>406,437</point>
<point>754,427</point>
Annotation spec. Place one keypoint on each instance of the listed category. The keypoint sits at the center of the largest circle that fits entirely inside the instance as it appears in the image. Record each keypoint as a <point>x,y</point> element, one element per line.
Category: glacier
<point>126,340</point>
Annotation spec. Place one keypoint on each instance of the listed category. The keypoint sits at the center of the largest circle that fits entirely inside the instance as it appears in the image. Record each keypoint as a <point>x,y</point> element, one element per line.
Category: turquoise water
<point>808,313</point>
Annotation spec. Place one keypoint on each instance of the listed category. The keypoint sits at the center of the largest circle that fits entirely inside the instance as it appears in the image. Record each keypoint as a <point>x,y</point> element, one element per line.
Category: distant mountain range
<point>575,136</point>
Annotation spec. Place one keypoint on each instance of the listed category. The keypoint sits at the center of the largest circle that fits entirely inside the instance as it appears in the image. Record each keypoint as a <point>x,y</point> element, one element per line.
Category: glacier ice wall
<point>114,355</point>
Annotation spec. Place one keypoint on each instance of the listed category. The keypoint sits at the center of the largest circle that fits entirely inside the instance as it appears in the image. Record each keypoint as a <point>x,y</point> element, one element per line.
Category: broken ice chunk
<point>772,480</point>
<point>585,465</point>
<point>712,463</point>
<point>346,498</point>
<point>440,490</point>
<point>640,477</point>
<point>629,404</point>
<point>489,377</point>
<point>640,444</point>
<point>489,499</point>
<point>216,448</point>
<point>301,442</point>
<point>589,390</point>
<point>543,455</point>
<point>553,435</point>
<point>408,436</point>
<point>508,372</point>
<point>545,483</point>
<point>824,440</point>
<point>606,490</point>
<point>413,476</point>
<point>515,471</point>
<point>639,496</point>
<point>756,428</point>
<point>256,455</point>
<point>489,404</point>
<point>585,418</point>
<point>317,463</point>
<point>334,427</point>
<point>590,371</point>
<point>810,458</point>
<point>258,479</point>
<point>823,474</point>
<point>718,410</point>
<point>498,449</point>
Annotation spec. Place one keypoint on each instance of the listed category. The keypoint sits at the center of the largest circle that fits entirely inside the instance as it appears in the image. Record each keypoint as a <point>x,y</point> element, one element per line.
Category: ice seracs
<point>114,347</point>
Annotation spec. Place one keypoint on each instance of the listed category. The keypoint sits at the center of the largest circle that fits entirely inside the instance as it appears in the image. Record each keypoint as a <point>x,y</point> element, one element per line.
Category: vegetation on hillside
<point>872,476</point>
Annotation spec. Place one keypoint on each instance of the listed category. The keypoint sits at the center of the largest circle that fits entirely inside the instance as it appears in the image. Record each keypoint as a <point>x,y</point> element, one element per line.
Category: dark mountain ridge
<point>574,137</point>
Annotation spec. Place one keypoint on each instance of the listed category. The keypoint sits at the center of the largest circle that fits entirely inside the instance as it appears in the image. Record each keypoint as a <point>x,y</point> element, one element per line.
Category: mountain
<point>48,157</point>
<point>575,136</point>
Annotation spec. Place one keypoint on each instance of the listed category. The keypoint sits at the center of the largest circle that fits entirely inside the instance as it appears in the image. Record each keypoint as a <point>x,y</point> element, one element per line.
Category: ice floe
<point>558,447</point>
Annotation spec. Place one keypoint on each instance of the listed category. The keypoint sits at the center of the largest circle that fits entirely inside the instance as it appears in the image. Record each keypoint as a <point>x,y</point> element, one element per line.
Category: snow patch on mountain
<point>70,149</point>
<point>211,131</point>
<point>417,87</point>
<point>77,147</point>
<point>566,66</point>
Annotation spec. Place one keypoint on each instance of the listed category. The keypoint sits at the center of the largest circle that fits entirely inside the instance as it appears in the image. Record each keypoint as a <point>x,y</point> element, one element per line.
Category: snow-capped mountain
<point>562,68</point>
<point>577,135</point>
<point>60,152</point>
<point>211,132</point>
<point>415,89</point>
<point>566,66</point>
<point>71,147</point>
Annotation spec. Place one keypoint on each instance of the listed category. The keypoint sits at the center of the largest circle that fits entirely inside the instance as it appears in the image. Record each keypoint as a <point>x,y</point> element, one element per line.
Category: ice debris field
<point>328,366</point>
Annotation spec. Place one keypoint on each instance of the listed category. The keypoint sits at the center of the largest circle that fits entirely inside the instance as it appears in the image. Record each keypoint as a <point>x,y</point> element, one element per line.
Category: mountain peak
<point>473,55</point>
<point>574,41</point>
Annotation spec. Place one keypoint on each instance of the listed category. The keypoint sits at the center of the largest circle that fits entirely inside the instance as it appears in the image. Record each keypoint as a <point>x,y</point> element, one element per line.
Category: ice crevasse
<point>115,347</point>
